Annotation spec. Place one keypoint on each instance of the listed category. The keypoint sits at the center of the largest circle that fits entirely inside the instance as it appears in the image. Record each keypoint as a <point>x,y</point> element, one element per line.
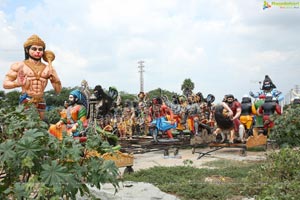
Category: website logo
<point>281,4</point>
<point>266,5</point>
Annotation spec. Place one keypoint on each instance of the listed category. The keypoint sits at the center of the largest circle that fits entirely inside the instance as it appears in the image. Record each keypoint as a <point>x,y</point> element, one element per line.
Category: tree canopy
<point>187,87</point>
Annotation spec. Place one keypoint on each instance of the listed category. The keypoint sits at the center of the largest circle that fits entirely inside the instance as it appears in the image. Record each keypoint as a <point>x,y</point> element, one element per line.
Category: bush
<point>53,115</point>
<point>35,165</point>
<point>278,178</point>
<point>286,131</point>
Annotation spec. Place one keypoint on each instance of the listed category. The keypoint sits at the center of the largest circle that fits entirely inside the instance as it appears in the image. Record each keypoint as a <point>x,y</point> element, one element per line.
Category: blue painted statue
<point>268,87</point>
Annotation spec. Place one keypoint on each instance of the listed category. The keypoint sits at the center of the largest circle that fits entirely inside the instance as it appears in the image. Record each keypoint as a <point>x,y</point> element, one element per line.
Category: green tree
<point>160,92</point>
<point>187,87</point>
<point>127,97</point>
<point>2,99</point>
<point>56,100</point>
<point>2,94</point>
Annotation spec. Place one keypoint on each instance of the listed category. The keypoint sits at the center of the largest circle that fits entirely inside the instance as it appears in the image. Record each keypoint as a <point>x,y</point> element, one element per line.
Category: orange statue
<point>32,74</point>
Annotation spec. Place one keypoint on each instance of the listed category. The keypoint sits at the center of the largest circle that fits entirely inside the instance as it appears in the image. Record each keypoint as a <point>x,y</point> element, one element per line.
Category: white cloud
<point>220,45</point>
<point>272,56</point>
<point>8,41</point>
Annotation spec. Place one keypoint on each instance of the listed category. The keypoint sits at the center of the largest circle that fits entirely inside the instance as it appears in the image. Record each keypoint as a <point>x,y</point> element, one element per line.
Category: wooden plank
<point>233,145</point>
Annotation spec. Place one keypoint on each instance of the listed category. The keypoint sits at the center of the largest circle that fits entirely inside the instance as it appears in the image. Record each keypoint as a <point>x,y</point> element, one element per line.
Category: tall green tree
<point>187,87</point>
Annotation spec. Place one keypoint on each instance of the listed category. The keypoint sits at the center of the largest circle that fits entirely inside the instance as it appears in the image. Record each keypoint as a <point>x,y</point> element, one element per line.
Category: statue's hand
<point>74,128</point>
<point>164,98</point>
<point>22,78</point>
<point>251,93</point>
<point>276,93</point>
<point>58,124</point>
<point>51,76</point>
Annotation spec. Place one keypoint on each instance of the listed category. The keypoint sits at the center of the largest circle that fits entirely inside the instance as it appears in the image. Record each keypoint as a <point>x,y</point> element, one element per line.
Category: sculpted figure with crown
<point>32,75</point>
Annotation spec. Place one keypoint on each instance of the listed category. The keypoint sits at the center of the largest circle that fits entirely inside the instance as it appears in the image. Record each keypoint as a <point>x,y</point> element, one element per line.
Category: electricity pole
<point>141,70</point>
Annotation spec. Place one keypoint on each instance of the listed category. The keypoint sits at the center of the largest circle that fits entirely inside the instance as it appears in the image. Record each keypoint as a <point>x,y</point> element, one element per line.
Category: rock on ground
<point>129,191</point>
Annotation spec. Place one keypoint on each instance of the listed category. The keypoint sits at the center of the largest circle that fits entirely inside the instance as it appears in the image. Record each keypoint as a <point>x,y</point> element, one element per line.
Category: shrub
<point>286,131</point>
<point>53,115</point>
<point>278,178</point>
<point>35,165</point>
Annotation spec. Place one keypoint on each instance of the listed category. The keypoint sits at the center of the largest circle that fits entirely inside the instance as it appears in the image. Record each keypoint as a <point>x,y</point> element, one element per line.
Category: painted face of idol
<point>72,100</point>
<point>36,52</point>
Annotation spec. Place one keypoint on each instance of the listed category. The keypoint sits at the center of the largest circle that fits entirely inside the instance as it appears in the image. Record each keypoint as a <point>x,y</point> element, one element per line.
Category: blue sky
<point>222,46</point>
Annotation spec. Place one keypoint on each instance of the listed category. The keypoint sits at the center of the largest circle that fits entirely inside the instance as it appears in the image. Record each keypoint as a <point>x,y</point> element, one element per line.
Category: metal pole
<point>141,70</point>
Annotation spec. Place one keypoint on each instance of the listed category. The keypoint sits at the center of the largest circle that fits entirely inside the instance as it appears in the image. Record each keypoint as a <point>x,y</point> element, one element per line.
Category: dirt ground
<point>195,159</point>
